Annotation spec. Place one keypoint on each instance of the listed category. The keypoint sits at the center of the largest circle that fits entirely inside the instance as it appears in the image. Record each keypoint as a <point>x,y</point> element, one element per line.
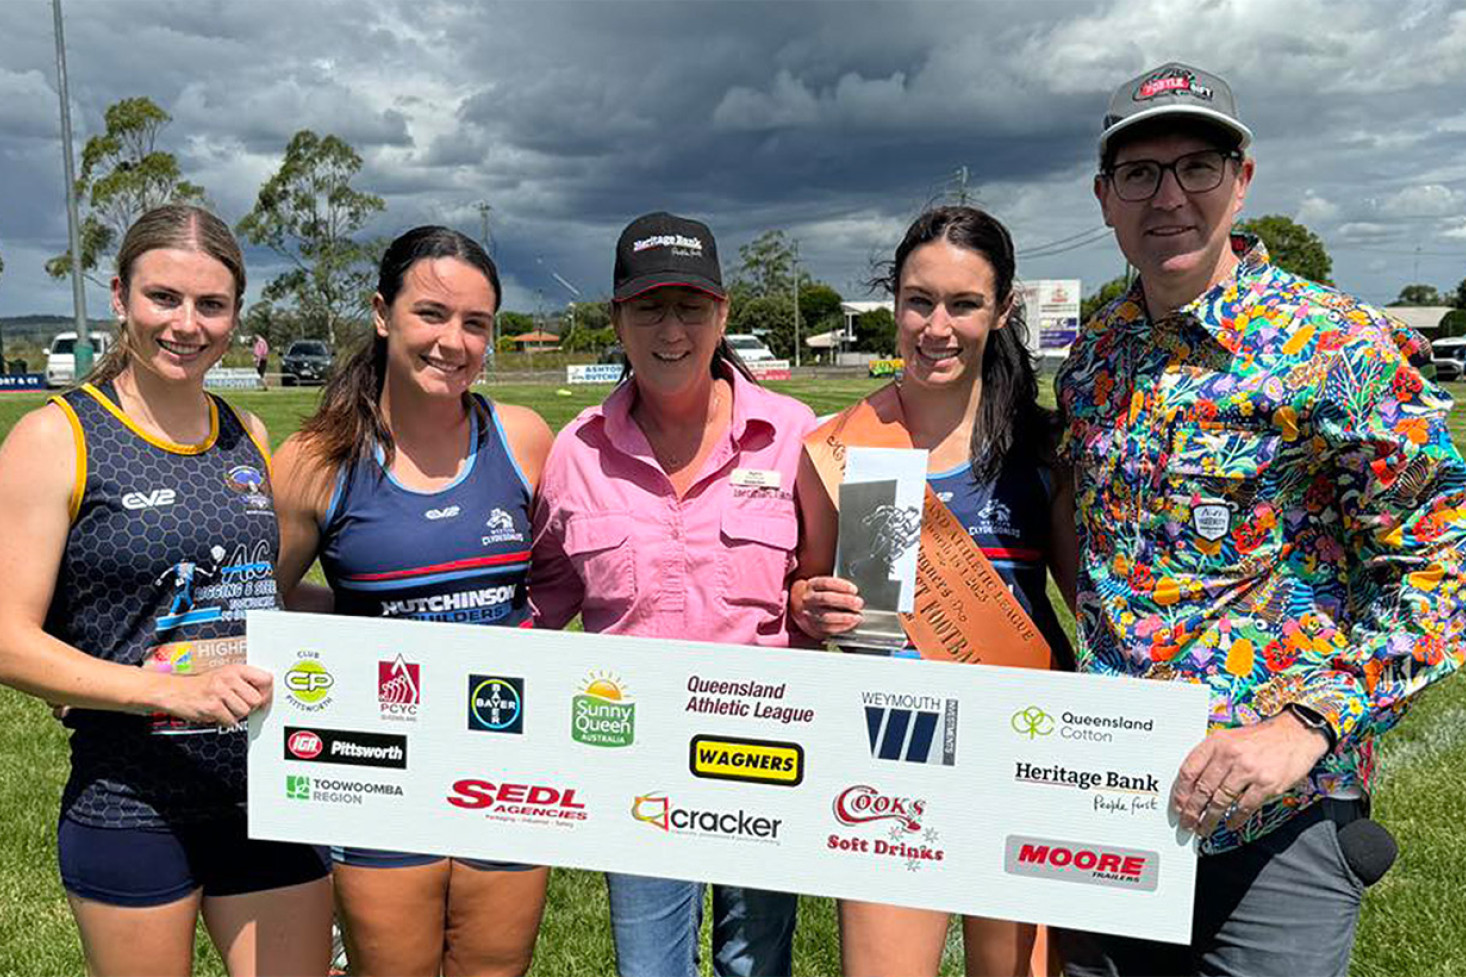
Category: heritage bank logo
<point>399,689</point>
<point>495,704</point>
<point>602,713</point>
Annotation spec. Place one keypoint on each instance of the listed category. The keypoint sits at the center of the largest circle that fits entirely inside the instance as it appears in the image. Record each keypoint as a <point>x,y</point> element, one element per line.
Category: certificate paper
<point>1013,793</point>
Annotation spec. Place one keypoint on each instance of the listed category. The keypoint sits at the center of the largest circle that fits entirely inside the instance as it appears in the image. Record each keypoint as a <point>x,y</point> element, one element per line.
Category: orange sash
<point>964,610</point>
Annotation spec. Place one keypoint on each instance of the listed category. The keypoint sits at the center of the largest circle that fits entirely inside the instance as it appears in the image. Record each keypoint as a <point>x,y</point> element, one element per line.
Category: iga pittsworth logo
<point>398,689</point>
<point>307,683</point>
<point>345,746</point>
<point>495,704</point>
<point>899,822</point>
<point>733,758</point>
<point>1072,861</point>
<point>602,713</point>
<point>913,728</point>
<point>658,811</point>
<point>518,802</point>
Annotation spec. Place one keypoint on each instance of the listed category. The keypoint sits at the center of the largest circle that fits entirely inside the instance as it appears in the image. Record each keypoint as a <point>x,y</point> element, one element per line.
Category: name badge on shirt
<point>1211,520</point>
<point>755,478</point>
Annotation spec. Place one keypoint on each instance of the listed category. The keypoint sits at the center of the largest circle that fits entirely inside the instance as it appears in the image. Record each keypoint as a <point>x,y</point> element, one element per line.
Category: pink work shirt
<point>614,542</point>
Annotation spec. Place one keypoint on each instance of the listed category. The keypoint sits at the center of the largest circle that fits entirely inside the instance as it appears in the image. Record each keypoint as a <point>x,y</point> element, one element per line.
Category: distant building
<point>1424,319</point>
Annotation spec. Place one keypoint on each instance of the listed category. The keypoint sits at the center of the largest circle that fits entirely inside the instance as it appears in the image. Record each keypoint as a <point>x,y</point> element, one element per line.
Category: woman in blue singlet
<point>969,396</point>
<point>415,494</point>
<point>124,581</point>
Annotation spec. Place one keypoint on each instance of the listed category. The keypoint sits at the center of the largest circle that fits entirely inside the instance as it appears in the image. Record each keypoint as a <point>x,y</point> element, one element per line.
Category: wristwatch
<point>1313,719</point>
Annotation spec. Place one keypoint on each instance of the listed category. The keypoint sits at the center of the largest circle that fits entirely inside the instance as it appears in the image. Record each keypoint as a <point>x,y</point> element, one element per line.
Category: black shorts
<point>156,866</point>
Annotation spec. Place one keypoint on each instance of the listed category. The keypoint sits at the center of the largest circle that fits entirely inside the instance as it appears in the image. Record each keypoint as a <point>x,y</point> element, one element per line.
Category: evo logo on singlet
<point>150,499</point>
<point>482,606</point>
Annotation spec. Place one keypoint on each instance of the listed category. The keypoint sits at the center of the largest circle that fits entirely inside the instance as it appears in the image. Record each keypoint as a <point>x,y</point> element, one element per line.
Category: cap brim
<point>667,279</point>
<point>1221,120</point>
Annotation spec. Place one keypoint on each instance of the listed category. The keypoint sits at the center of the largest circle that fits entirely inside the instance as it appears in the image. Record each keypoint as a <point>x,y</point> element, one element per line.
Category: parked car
<point>749,347</point>
<point>612,354</point>
<point>1449,358</point>
<point>61,357</point>
<point>306,361</point>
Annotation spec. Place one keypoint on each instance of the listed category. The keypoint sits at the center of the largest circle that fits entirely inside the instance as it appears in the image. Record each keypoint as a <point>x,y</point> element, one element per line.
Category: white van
<point>61,357</point>
<point>749,347</point>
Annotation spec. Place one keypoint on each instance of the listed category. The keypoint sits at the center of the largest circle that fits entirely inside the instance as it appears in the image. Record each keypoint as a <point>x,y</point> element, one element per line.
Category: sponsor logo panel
<point>535,803</point>
<point>496,704</point>
<point>330,790</point>
<point>399,689</point>
<point>1114,791</point>
<point>348,747</point>
<point>886,826</point>
<point>1033,722</point>
<point>307,683</point>
<point>749,700</point>
<point>734,758</point>
<point>1073,861</point>
<point>658,811</point>
<point>603,713</point>
<point>911,728</point>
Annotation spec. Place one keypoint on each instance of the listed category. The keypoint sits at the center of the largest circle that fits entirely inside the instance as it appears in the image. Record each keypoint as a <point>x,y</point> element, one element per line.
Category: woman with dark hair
<point>124,580</point>
<point>969,396</point>
<point>668,511</point>
<point>410,488</point>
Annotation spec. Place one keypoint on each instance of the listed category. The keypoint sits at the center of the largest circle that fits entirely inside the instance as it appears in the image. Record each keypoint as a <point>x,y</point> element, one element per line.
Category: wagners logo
<point>348,747</point>
<point>1068,861</point>
<point>602,714</point>
<point>760,761</point>
<point>658,811</point>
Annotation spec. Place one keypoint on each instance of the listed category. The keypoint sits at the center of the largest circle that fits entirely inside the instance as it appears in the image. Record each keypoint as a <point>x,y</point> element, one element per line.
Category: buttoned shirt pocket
<point>1219,499</point>
<point>757,555</point>
<point>599,547</point>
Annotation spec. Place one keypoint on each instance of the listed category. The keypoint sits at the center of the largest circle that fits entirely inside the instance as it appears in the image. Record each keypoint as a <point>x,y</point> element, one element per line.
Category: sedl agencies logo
<point>495,704</point>
<point>913,728</point>
<point>602,713</point>
<point>307,683</point>
<point>399,689</point>
<point>539,803</point>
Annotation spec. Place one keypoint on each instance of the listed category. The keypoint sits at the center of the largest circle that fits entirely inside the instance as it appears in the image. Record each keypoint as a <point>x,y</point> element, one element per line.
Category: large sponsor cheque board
<point>1000,792</point>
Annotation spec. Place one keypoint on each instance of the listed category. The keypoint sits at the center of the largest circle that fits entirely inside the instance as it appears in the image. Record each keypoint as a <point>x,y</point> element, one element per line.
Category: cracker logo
<point>758,761</point>
<point>1090,864</point>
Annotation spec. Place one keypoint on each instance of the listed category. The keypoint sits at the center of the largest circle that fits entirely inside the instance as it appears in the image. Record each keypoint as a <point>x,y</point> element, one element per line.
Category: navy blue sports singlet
<point>170,546</point>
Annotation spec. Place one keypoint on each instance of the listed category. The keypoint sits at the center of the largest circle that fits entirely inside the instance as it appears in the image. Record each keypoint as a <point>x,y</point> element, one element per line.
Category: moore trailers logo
<point>1073,861</point>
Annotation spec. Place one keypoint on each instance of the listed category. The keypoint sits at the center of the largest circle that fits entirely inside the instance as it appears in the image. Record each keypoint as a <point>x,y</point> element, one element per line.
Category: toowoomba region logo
<point>602,713</point>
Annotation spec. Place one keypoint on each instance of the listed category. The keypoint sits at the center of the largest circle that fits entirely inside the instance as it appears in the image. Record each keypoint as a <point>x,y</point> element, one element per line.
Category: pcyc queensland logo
<point>399,689</point>
<point>308,683</point>
<point>1032,722</point>
<point>495,704</point>
<point>602,713</point>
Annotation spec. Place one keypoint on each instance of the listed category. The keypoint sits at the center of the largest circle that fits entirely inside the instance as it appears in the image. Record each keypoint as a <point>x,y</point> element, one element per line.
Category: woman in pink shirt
<point>668,511</point>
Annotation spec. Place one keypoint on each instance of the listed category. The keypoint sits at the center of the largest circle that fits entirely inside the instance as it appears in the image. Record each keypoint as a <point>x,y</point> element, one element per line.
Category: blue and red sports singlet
<point>459,554</point>
<point>170,545</point>
<point>1008,519</point>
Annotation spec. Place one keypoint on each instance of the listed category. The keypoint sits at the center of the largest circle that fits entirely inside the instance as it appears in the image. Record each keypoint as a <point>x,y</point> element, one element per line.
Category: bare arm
<point>303,489</point>
<point>1064,540</point>
<point>35,492</point>
<point>529,440</point>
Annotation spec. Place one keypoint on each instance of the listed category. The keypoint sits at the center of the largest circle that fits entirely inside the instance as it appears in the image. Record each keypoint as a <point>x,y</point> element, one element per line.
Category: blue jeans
<point>655,923</point>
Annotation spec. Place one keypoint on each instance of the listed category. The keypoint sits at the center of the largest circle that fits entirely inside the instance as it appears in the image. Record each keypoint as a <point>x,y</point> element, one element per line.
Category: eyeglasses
<point>654,313</point>
<point>1199,172</point>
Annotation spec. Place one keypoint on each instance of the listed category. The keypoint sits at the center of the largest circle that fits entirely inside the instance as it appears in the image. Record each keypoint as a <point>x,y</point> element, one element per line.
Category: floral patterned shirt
<point>1269,503</point>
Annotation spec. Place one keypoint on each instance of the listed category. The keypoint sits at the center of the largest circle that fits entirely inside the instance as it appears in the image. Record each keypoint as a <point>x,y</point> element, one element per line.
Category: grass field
<point>1412,923</point>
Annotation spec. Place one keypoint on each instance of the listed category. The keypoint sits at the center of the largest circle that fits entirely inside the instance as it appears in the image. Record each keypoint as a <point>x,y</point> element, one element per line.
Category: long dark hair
<point>1009,419</point>
<point>181,226</point>
<point>348,424</point>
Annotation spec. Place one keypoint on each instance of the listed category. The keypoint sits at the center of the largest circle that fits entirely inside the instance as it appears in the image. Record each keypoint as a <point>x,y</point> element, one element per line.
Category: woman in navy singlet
<point>124,581</point>
<point>415,494</point>
<point>969,397</point>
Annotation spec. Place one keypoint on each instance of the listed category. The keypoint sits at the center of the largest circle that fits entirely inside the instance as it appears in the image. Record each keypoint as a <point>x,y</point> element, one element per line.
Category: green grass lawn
<point>1412,921</point>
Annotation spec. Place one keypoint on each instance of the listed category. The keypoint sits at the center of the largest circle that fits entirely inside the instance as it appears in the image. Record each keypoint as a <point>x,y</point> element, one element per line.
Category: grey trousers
<point>1285,904</point>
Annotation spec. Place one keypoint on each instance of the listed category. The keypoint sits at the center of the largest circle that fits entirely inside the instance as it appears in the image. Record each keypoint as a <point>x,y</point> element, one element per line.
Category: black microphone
<point>1368,849</point>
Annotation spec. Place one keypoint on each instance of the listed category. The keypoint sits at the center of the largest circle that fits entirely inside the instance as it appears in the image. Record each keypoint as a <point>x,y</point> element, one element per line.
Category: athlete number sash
<point>964,611</point>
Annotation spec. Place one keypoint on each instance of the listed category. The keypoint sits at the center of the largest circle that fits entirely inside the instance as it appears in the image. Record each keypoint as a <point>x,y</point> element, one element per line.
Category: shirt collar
<point>623,431</point>
<point>1219,310</point>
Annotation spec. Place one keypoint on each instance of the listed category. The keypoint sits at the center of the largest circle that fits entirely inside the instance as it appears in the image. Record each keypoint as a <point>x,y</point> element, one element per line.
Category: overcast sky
<point>835,121</point>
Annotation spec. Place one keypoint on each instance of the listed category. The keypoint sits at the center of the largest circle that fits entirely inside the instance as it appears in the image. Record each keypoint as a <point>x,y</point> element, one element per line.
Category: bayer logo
<point>495,704</point>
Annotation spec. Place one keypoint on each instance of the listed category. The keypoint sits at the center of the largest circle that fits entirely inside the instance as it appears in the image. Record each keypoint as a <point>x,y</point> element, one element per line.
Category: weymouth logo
<point>913,728</point>
<point>495,704</point>
<point>602,714</point>
<point>1068,861</point>
<point>399,689</point>
<point>1032,722</point>
<point>760,761</point>
<point>308,684</point>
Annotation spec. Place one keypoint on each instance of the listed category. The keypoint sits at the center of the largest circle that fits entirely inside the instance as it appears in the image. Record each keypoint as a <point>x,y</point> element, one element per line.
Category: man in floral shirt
<point>1269,503</point>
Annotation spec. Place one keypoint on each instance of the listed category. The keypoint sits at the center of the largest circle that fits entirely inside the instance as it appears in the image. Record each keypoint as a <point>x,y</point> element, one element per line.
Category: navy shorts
<point>377,858</point>
<point>156,866</point>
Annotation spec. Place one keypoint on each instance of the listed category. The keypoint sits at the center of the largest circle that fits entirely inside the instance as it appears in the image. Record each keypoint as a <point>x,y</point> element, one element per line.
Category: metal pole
<point>83,356</point>
<point>796,305</point>
<point>486,241</point>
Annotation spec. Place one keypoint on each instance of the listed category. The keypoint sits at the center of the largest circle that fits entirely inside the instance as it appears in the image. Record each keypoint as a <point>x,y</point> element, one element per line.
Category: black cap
<point>662,249</point>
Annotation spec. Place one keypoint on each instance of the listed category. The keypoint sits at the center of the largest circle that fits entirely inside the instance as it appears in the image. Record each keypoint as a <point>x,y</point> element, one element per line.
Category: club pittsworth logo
<point>657,810</point>
<point>602,713</point>
<point>888,826</point>
<point>759,761</point>
<point>1032,722</point>
<point>913,728</point>
<point>1068,861</point>
<point>307,683</point>
<point>500,526</point>
<point>495,704</point>
<point>322,790</point>
<point>399,689</point>
<point>519,802</point>
<point>347,747</point>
